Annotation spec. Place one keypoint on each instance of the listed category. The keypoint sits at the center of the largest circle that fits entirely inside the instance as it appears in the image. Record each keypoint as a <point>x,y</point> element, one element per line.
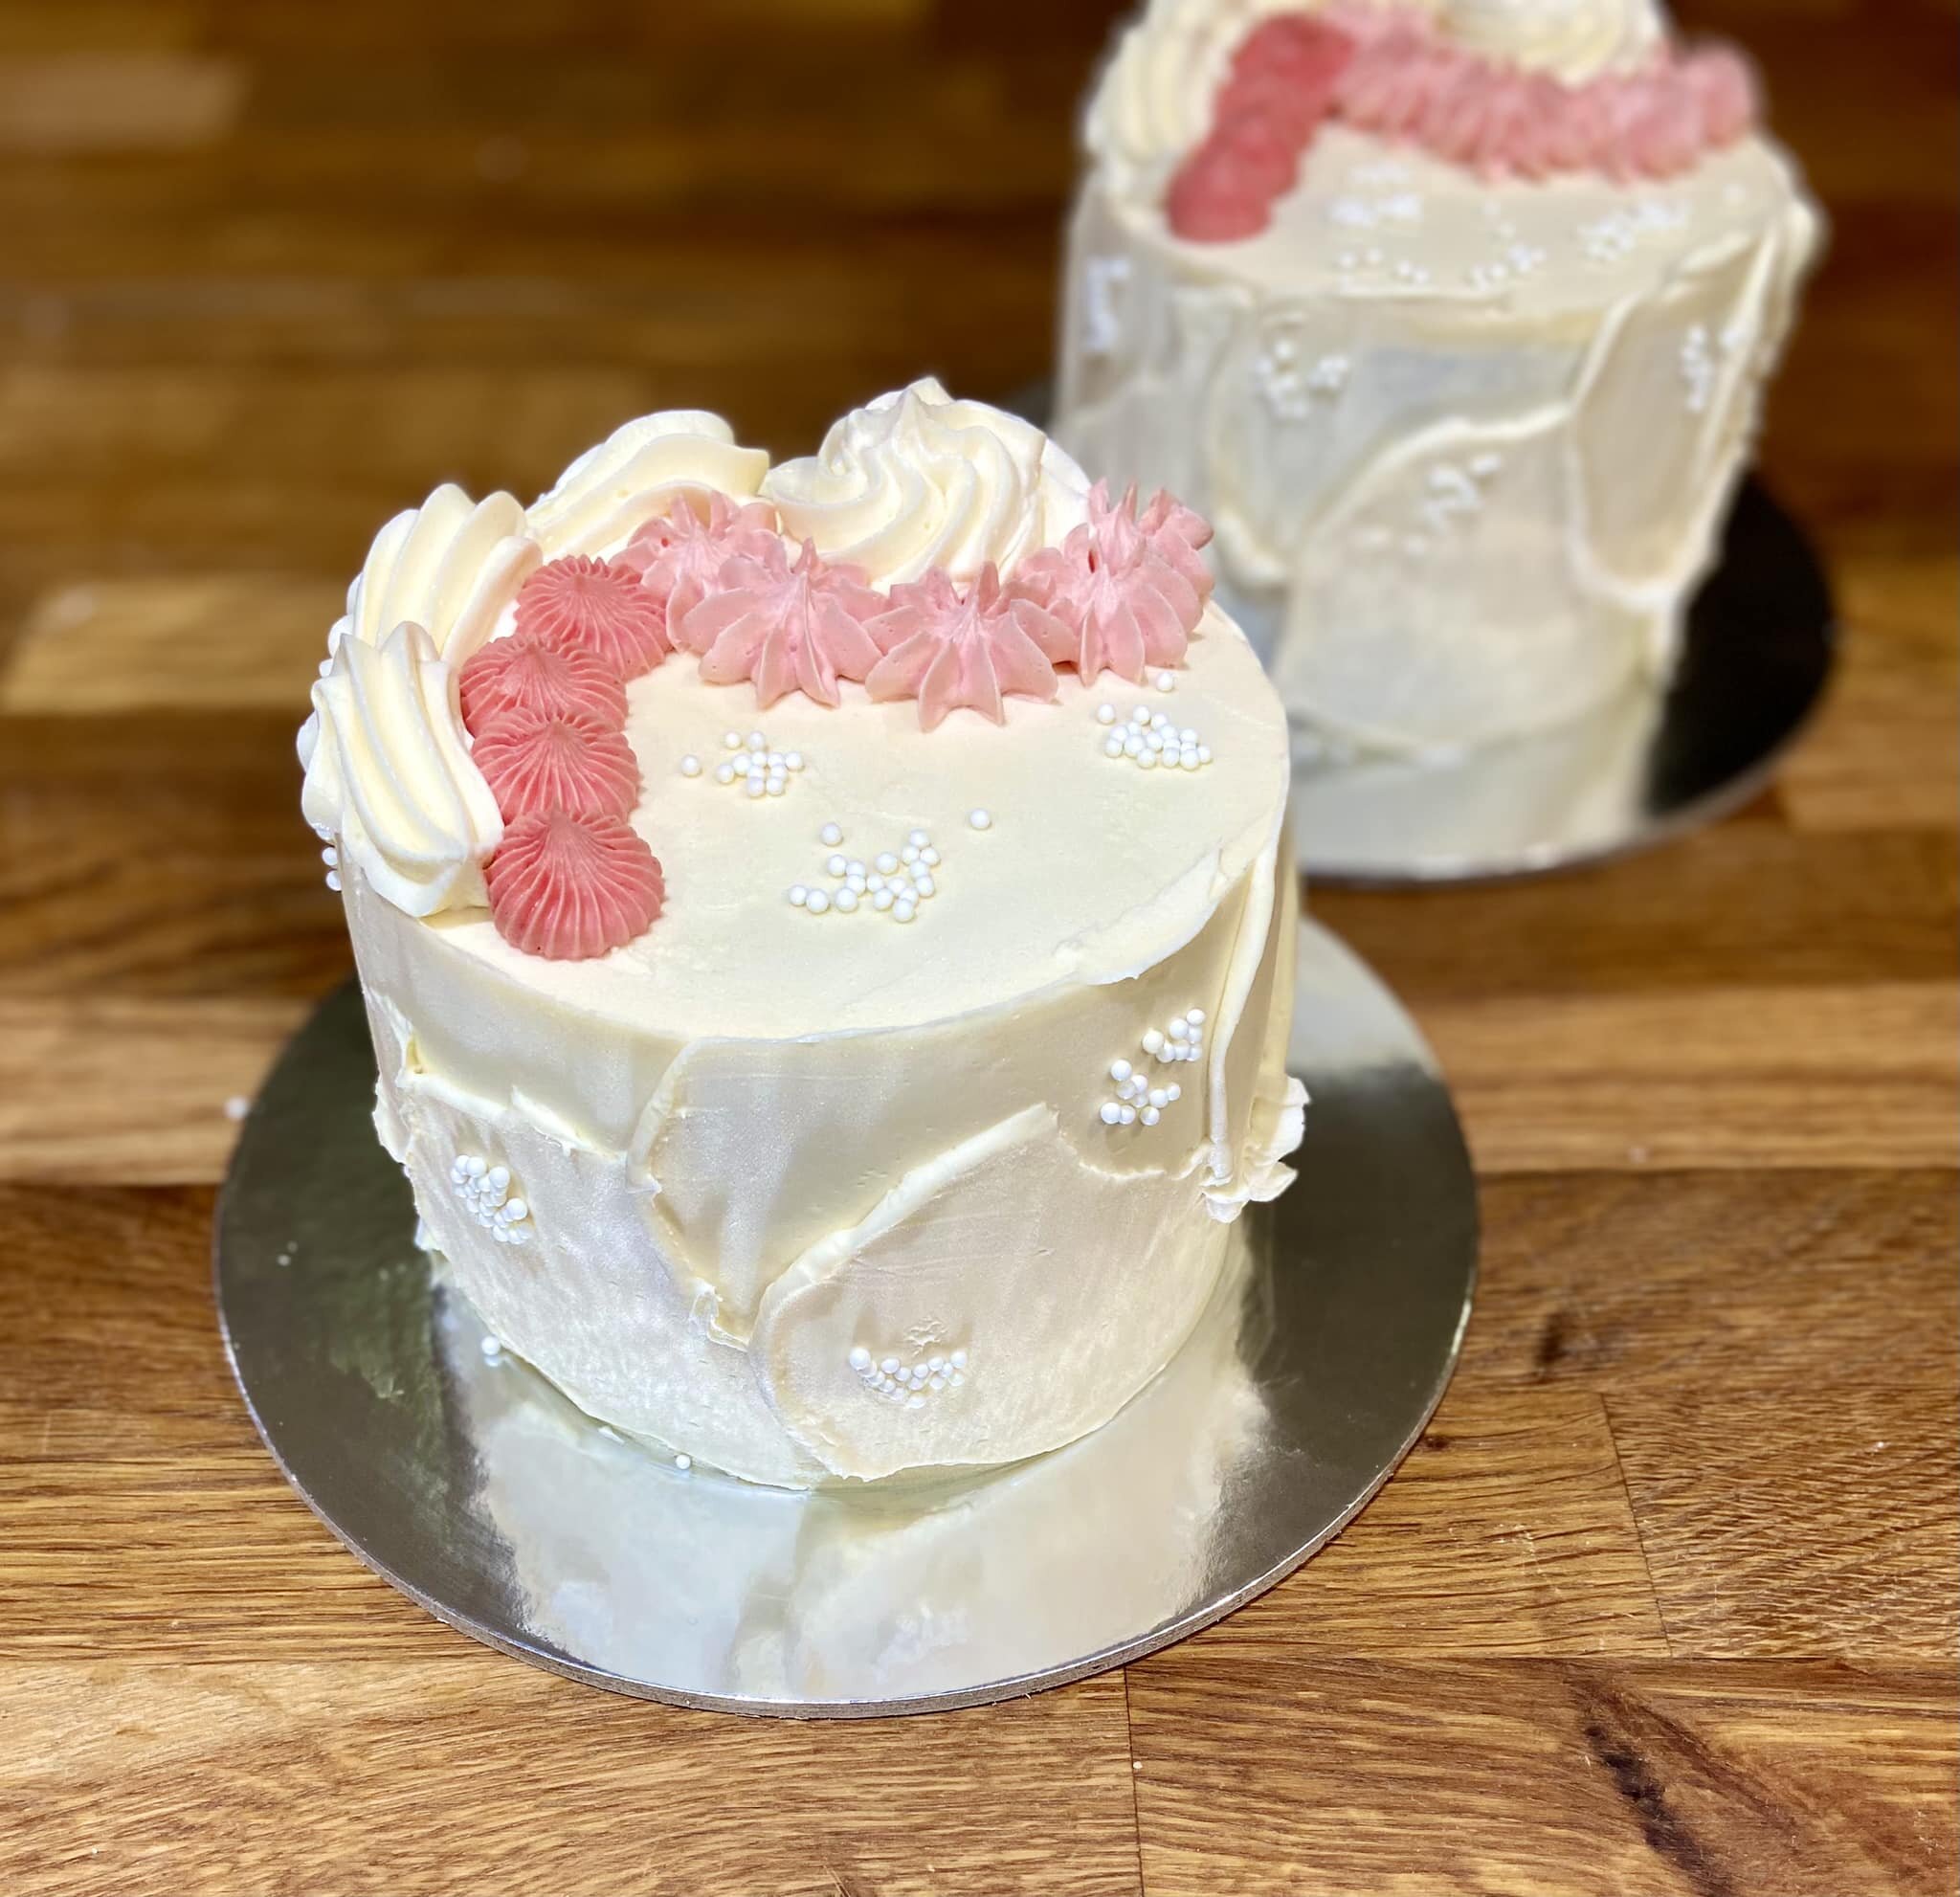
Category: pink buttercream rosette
<point>580,603</point>
<point>788,628</point>
<point>569,888</point>
<point>522,673</point>
<point>535,762</point>
<point>680,555</point>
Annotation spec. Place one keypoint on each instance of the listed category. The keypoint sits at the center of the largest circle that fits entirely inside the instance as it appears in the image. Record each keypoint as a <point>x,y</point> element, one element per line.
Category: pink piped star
<point>679,557</point>
<point>952,650</point>
<point>790,629</point>
<point>1132,587</point>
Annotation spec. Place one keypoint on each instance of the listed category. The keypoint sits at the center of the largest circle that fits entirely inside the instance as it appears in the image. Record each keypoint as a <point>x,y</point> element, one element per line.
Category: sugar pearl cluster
<point>893,883</point>
<point>762,772</point>
<point>1136,1100</point>
<point>908,1385</point>
<point>486,1189</point>
<point>1149,739</point>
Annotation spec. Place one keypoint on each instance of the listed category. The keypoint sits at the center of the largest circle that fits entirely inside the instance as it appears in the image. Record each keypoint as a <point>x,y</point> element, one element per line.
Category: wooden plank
<point>1262,1769</point>
<point>134,1092</point>
<point>1821,1520</point>
<point>96,101</point>
<point>1883,753</point>
<point>118,645</point>
<point>1507,1531</point>
<point>1803,1077</point>
<point>1750,904</point>
<point>484,1775</point>
<point>1673,1286</point>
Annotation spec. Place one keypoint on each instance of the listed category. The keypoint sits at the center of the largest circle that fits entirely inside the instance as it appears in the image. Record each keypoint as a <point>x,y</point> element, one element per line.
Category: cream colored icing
<point>1573,40</point>
<point>637,472</point>
<point>916,481</point>
<point>389,774</point>
<point>450,566</point>
<point>1466,447</point>
<point>761,1141</point>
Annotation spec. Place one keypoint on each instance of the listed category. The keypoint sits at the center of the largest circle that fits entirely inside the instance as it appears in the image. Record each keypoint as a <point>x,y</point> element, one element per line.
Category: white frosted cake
<point>1453,320</point>
<point>822,929</point>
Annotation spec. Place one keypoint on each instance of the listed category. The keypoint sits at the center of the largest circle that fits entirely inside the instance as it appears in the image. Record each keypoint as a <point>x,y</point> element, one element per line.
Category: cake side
<point>1467,436</point>
<point>817,1191</point>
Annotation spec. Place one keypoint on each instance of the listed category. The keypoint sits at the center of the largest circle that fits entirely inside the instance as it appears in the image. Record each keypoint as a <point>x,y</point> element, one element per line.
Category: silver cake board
<point>468,1483</point>
<point>1664,757</point>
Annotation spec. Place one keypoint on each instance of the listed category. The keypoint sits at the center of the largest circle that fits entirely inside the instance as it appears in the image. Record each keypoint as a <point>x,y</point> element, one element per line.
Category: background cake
<point>821,929</point>
<point>1453,319</point>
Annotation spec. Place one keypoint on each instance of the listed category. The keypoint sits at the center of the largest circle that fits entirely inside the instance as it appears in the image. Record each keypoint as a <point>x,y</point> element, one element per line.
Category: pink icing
<point>522,673</point>
<point>595,606</point>
<point>680,555</point>
<point>1133,586</point>
<point>790,629</point>
<point>1393,74</point>
<point>572,887</point>
<point>948,649</point>
<point>569,761</point>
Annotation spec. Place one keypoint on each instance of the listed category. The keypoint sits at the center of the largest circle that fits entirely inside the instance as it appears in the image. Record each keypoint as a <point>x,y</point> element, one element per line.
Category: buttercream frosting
<point>389,776</point>
<point>916,481</point>
<point>713,1109</point>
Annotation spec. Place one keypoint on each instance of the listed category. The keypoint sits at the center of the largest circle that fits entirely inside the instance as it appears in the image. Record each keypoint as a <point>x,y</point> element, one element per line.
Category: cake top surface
<point>701,744</point>
<point>1371,221</point>
<point>1208,106</point>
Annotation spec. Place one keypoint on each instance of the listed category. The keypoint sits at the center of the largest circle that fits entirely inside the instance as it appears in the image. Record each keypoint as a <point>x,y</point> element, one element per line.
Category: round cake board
<point>461,1477</point>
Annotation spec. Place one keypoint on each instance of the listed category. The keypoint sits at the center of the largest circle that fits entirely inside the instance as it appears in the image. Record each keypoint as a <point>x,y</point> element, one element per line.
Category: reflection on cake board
<point>468,1483</point>
<point>1664,757</point>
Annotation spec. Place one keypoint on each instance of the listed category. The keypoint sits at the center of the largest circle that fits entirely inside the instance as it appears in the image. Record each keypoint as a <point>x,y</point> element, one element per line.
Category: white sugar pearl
<point>757,787</point>
<point>499,1176</point>
<point>1133,746</point>
<point>890,1366</point>
<point>1121,1070</point>
<point>854,867</point>
<point>917,838</point>
<point>740,766</point>
<point>817,903</point>
<point>690,766</point>
<point>1195,1016</point>
<point>1127,1115</point>
<point>1176,1091</point>
<point>333,880</point>
<point>831,834</point>
<point>731,741</point>
<point>909,854</point>
<point>792,760</point>
<point>1112,1115</point>
<point>1150,1116</point>
<point>798,896</point>
<point>1160,1097</point>
<point>1204,753</point>
<point>475,1166</point>
<point>861,1357</point>
<point>924,884</point>
<point>904,911</point>
<point>1188,760</point>
<point>1105,714</point>
<point>757,742</point>
<point>1160,721</point>
<point>846,900</point>
<point>1146,760</point>
<point>778,786</point>
<point>882,900</point>
<point>979,819</point>
<point>491,1347</point>
<point>725,773</point>
<point>835,865</point>
<point>1141,715</point>
<point>1166,681</point>
<point>930,856</point>
<point>1153,1041</point>
<point>1178,1031</point>
<point>684,1463</point>
<point>1112,746</point>
<point>886,863</point>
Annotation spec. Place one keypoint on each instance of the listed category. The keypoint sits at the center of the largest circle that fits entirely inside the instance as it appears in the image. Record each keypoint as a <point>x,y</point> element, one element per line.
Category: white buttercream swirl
<point>635,473</point>
<point>389,774</point>
<point>1572,40</point>
<point>451,565</point>
<point>916,480</point>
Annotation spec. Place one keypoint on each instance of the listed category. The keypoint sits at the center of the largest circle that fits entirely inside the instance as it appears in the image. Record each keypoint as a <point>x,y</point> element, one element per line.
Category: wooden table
<point>1664,1603</point>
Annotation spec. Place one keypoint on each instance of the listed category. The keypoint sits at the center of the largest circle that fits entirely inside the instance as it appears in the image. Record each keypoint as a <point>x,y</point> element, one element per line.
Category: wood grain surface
<point>1664,1604</point>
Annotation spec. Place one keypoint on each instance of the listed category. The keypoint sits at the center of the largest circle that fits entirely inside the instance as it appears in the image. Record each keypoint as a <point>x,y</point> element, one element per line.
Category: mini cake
<point>822,929</point>
<point>1453,319</point>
